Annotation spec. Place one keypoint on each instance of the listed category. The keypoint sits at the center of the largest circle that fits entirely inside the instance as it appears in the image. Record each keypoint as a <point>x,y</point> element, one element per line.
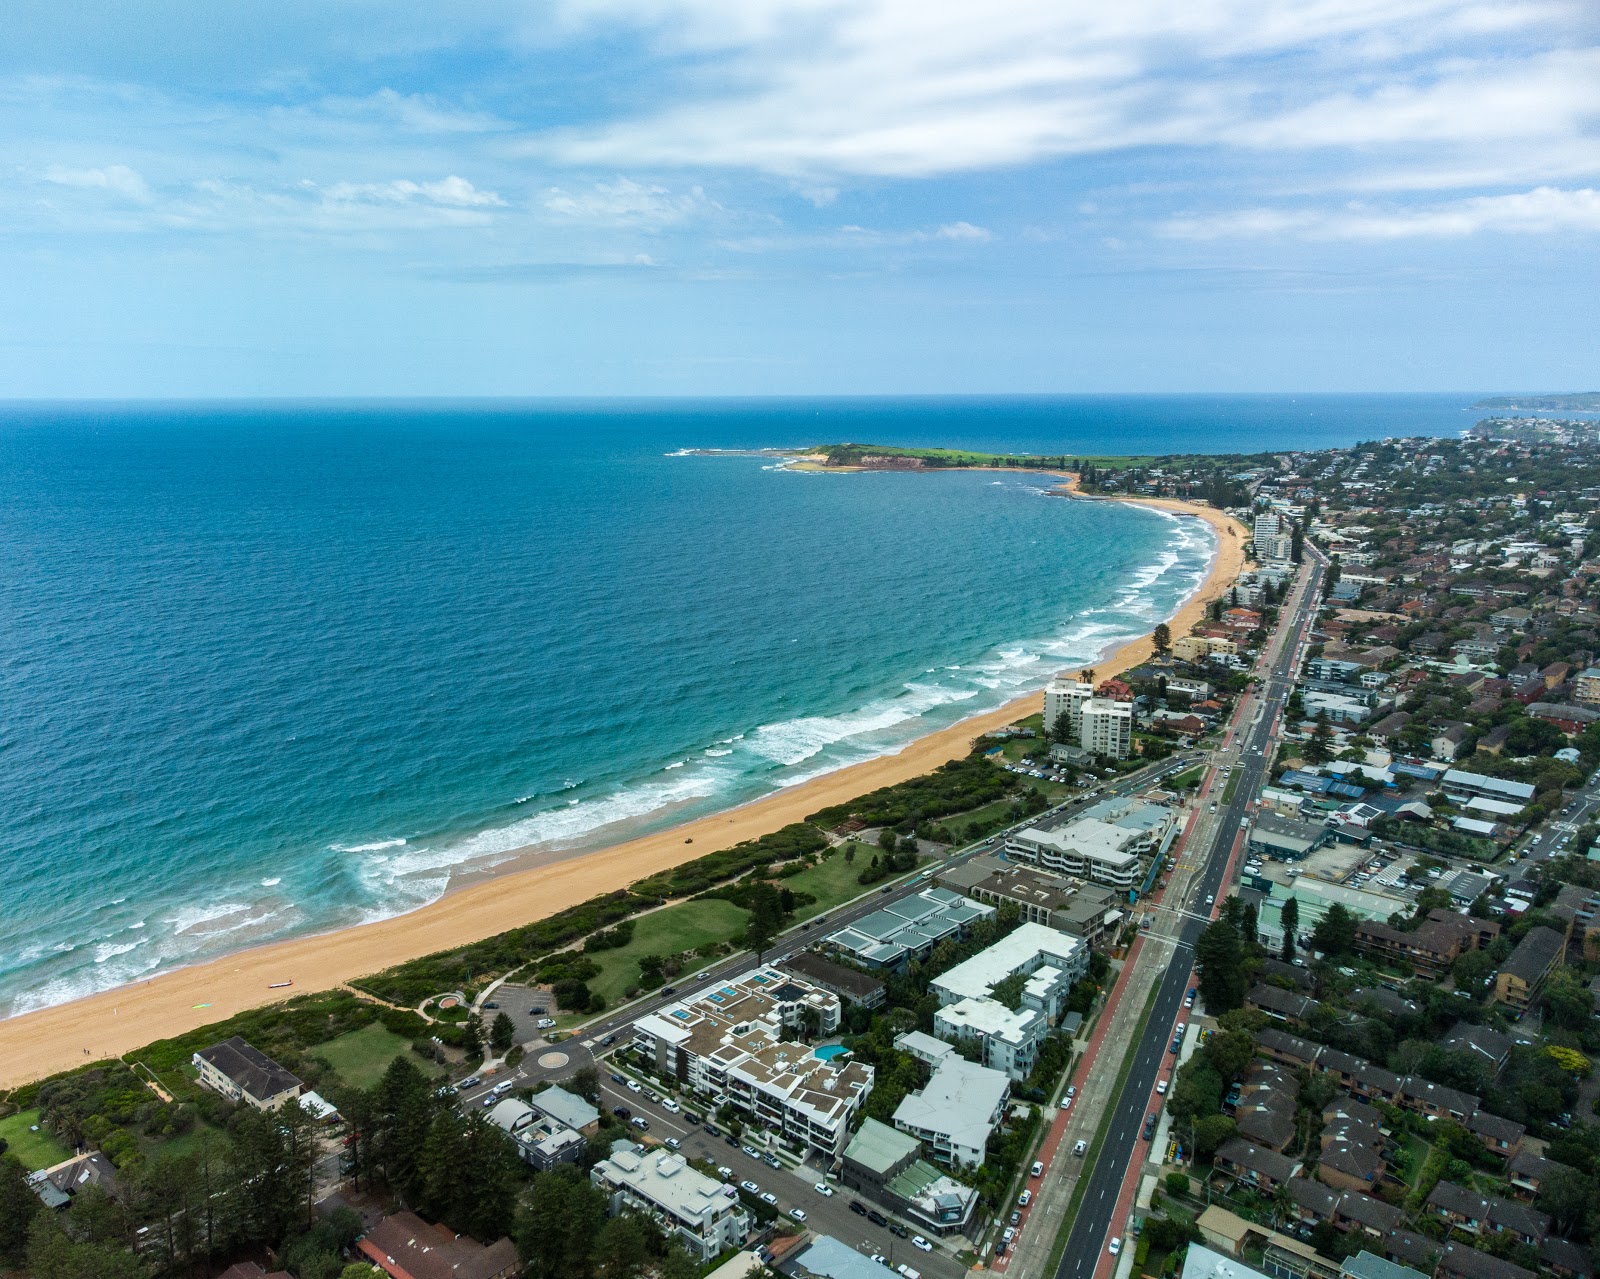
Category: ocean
<point>269,669</point>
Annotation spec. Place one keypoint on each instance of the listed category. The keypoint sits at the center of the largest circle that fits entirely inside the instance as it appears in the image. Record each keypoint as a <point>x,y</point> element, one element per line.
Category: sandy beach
<point>112,1023</point>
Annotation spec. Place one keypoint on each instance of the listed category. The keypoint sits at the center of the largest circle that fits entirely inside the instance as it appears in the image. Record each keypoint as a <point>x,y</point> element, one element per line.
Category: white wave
<point>368,848</point>
<point>791,742</point>
<point>107,951</point>
<point>132,928</point>
<point>187,918</point>
<point>667,768</point>
<point>272,883</point>
<point>714,753</point>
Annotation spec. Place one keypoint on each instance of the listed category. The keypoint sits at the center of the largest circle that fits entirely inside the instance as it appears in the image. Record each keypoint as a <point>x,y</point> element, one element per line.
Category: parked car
<point>622,1112</point>
<point>751,1151</point>
<point>824,1189</point>
<point>1016,1217</point>
<point>859,1208</point>
<point>640,1122</point>
<point>670,1106</point>
<point>713,1131</point>
<point>538,1010</point>
<point>876,1217</point>
<point>917,1241</point>
<point>772,1161</point>
<point>619,1079</point>
<point>674,1144</point>
<point>767,1197</point>
<point>750,1187</point>
<point>725,1172</point>
<point>1115,1246</point>
<point>634,1086</point>
<point>544,1023</point>
<point>895,1228</point>
<point>1025,1198</point>
<point>471,1081</point>
<point>799,1214</point>
<point>490,1006</point>
<point>1038,1168</point>
<point>1161,1088</point>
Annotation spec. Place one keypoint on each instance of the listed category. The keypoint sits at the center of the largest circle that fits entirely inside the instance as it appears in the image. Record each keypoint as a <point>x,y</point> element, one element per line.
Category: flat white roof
<point>961,1102</point>
<point>1011,954</point>
<point>666,1178</point>
<point>990,1018</point>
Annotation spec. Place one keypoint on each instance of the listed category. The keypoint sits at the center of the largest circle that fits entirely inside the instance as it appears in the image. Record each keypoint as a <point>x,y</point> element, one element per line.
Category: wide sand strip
<point>116,1021</point>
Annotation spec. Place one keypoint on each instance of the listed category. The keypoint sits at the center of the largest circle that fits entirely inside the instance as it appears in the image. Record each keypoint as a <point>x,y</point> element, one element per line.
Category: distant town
<point>1276,953</point>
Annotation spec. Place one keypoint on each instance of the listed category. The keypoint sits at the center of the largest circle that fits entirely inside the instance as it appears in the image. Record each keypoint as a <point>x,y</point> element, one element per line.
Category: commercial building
<point>1523,975</point>
<point>242,1073</point>
<point>884,1164</point>
<point>702,1214</point>
<point>1103,844</point>
<point>728,1043</point>
<point>1286,839</point>
<point>827,1258</point>
<point>1085,910</point>
<point>958,1110</point>
<point>1273,538</point>
<point>908,929</point>
<point>1049,961</point>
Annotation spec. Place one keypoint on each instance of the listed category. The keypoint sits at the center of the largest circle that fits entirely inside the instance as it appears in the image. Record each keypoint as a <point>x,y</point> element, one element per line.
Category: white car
<point>674,1144</point>
<point>824,1189</point>
<point>633,1086</point>
<point>920,1242</point>
<point>670,1105</point>
<point>799,1214</point>
<point>1161,1088</point>
<point>767,1197</point>
<point>1115,1246</point>
<point>750,1187</point>
<point>1081,1148</point>
<point>544,1023</point>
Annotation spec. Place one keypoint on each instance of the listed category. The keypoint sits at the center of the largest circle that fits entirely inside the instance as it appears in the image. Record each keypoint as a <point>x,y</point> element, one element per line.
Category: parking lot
<point>792,1187</point>
<point>519,1003</point>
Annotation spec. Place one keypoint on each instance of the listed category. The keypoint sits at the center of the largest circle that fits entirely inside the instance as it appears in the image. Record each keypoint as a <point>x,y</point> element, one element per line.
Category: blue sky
<point>347,197</point>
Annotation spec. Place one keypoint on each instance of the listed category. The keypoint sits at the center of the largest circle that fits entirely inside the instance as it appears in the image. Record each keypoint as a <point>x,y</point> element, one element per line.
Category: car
<point>799,1214</point>
<point>749,1187</point>
<point>651,1095</point>
<point>1025,1198</point>
<point>1016,1216</point>
<point>1081,1148</point>
<point>1038,1168</point>
<point>732,1141</point>
<point>640,1122</point>
<point>619,1079</point>
<point>1009,1233</point>
<point>908,1272</point>
<point>670,1106</point>
<point>674,1144</point>
<point>1115,1246</point>
<point>490,1006</point>
<point>490,1100</point>
<point>1066,1103</point>
<point>1149,1127</point>
<point>772,1161</point>
<point>876,1217</point>
<point>1161,1088</point>
<point>1211,899</point>
<point>544,1023</point>
<point>1072,1090</point>
<point>888,889</point>
<point>538,1010</point>
<point>751,1151</point>
<point>689,1117</point>
<point>1000,1248</point>
<point>917,1241</point>
<point>669,990</point>
<point>725,1172</point>
<point>895,1228</point>
<point>767,1197</point>
<point>880,1259</point>
<point>634,1086</point>
<point>823,1189</point>
<point>713,1131</point>
<point>859,1208</point>
<point>1213,808</point>
<point>622,1112</point>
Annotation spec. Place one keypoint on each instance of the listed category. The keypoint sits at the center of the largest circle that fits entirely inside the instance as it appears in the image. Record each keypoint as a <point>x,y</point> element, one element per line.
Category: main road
<point>1122,1148</point>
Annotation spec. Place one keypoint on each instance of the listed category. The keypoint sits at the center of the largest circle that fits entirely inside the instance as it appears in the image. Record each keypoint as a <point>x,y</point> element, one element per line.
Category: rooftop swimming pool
<point>829,1051</point>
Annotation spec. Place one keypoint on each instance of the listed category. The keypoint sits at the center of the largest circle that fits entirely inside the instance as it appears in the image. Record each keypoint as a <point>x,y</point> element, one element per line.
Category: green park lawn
<point>832,882</point>
<point>361,1056</point>
<point>35,1149</point>
<point>685,926</point>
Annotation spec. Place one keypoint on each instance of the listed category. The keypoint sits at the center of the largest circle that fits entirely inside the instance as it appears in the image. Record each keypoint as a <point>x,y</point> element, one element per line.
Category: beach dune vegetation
<point>956,787</point>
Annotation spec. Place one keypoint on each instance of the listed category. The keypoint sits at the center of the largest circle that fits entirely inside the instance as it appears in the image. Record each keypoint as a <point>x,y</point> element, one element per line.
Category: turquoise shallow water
<point>272,669</point>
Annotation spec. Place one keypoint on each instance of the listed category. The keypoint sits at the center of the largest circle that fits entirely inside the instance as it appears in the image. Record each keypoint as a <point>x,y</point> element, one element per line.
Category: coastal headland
<point>116,1021</point>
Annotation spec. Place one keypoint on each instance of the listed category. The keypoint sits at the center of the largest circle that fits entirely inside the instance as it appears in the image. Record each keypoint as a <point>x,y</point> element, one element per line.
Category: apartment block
<point>704,1215</point>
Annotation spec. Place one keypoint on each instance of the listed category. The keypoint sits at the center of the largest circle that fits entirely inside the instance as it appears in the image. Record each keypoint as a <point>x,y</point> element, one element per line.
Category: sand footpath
<point>110,1024</point>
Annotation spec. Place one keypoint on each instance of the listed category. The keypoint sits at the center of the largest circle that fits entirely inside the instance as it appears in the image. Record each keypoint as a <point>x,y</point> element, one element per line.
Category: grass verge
<point>35,1149</point>
<point>686,926</point>
<point>1071,1215</point>
<point>361,1056</point>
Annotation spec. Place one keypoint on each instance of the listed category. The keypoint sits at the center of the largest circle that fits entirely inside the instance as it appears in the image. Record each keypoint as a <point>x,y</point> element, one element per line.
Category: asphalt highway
<point>1123,1145</point>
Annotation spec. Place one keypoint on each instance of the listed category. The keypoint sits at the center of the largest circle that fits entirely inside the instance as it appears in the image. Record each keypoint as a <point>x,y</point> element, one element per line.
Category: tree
<point>1219,959</point>
<point>1290,915</point>
<point>1566,1195</point>
<point>1161,639</point>
<point>1335,934</point>
<point>1319,747</point>
<point>18,1207</point>
<point>502,1033</point>
<point>766,917</point>
<point>586,1083</point>
<point>360,1270</point>
<point>1211,1132</point>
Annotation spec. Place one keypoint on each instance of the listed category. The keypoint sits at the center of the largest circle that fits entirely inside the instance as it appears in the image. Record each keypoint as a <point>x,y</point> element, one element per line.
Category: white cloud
<point>118,179</point>
<point>1542,211</point>
<point>813,88</point>
<point>962,231</point>
<point>451,192</point>
<point>627,203</point>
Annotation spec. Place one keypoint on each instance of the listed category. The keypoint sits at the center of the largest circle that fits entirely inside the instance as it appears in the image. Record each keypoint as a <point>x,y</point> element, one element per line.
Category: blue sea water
<point>269,669</point>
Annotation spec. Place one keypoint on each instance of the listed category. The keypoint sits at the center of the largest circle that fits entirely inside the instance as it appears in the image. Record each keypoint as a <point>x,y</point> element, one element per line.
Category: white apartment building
<point>1065,696</point>
<point>704,1215</point>
<point>1272,537</point>
<point>1089,849</point>
<point>1095,723</point>
<point>958,1111</point>
<point>1051,961</point>
<point>1107,727</point>
<point>728,1043</point>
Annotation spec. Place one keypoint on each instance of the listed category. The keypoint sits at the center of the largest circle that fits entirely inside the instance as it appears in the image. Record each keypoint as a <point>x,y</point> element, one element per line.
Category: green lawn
<point>832,883</point>
<point>664,932</point>
<point>35,1149</point>
<point>361,1056</point>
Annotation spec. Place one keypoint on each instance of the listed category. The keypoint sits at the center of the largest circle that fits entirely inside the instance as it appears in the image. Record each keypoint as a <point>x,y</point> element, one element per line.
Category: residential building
<point>1522,977</point>
<point>1431,948</point>
<point>242,1073</point>
<point>827,1258</point>
<point>1366,1265</point>
<point>729,1043</point>
<point>847,983</point>
<point>1197,648</point>
<point>1459,782</point>
<point>907,929</point>
<point>1484,1047</point>
<point>1107,728</point>
<point>541,1142</point>
<point>1103,844</point>
<point>1065,697</point>
<point>702,1214</point>
<point>957,1110</point>
<point>885,1165</point>
<point>1253,1166</point>
<point>404,1246</point>
<point>1586,687</point>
